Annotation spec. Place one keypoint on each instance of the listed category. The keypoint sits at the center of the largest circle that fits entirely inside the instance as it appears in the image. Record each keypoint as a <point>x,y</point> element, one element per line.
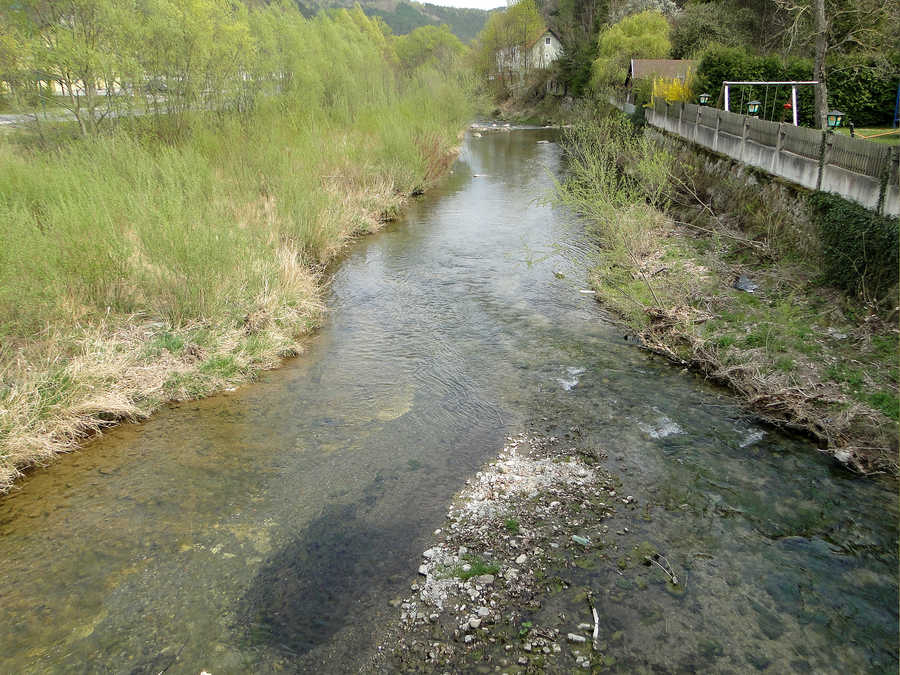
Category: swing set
<point>765,104</point>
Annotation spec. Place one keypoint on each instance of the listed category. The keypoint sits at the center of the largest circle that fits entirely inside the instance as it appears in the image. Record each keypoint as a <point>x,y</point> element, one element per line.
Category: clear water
<point>265,529</point>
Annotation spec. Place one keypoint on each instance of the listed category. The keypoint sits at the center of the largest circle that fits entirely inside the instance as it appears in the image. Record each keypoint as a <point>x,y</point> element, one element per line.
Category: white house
<point>539,54</point>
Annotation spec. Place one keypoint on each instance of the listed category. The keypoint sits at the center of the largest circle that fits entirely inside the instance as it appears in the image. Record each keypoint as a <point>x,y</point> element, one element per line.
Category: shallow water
<point>265,529</point>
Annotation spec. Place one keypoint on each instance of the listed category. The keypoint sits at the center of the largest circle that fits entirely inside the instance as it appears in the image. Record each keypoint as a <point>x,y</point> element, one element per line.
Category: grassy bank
<point>139,266</point>
<point>788,299</point>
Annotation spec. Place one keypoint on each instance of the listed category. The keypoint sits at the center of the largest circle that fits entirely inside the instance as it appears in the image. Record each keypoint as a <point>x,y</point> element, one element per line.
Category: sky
<point>477,4</point>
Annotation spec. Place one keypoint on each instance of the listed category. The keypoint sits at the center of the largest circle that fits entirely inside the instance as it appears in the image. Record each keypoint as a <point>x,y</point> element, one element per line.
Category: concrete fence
<point>853,168</point>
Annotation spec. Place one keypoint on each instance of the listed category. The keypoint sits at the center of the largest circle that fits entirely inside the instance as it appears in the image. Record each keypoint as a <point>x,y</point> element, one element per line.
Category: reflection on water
<point>267,528</point>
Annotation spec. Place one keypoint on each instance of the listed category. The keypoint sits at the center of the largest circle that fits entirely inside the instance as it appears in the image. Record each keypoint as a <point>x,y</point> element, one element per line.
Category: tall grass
<point>150,263</point>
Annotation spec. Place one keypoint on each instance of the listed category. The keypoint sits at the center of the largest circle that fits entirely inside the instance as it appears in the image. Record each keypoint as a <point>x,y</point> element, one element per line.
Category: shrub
<point>859,248</point>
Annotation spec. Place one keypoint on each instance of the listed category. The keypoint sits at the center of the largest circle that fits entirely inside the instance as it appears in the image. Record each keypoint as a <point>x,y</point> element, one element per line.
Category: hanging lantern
<point>704,99</point>
<point>753,107</point>
<point>835,117</point>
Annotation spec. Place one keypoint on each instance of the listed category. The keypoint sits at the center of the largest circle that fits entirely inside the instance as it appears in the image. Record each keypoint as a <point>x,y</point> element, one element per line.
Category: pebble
<point>485,579</point>
<point>475,623</point>
<point>576,639</point>
<point>484,612</point>
<point>429,554</point>
<point>423,570</point>
<point>467,568</point>
<point>523,661</point>
<point>527,646</point>
<point>521,559</point>
<point>468,639</point>
<point>585,626</point>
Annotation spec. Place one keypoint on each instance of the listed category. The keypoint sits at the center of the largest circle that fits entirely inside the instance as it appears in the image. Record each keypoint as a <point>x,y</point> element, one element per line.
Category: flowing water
<point>266,528</point>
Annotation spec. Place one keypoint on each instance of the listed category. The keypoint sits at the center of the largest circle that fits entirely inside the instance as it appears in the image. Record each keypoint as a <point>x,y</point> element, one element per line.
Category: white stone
<point>576,639</point>
<point>521,559</point>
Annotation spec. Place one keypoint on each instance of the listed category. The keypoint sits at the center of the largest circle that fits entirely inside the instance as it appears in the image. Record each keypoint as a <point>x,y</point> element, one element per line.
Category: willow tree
<point>639,36</point>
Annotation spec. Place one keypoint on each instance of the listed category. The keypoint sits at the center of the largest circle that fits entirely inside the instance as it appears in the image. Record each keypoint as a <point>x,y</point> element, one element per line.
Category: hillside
<point>403,16</point>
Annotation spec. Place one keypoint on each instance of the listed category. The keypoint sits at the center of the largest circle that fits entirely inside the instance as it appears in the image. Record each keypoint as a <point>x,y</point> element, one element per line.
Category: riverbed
<point>267,528</point>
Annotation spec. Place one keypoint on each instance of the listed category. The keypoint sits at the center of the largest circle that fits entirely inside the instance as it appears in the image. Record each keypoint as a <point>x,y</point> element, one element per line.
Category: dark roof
<point>667,68</point>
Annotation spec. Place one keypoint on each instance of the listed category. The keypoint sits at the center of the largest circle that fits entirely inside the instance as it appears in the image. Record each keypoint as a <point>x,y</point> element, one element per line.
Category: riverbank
<point>136,272</point>
<point>736,277</point>
<point>75,380</point>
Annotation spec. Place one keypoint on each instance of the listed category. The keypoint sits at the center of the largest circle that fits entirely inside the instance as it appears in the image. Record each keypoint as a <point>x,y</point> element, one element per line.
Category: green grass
<point>197,250</point>
<point>478,567</point>
<point>888,138</point>
<point>511,525</point>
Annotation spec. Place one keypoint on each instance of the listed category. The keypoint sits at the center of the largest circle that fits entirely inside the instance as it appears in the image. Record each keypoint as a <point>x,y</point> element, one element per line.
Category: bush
<point>701,24</point>
<point>860,248</point>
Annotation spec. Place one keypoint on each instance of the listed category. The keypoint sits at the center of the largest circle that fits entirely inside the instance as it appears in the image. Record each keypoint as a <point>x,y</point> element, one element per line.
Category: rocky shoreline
<point>542,506</point>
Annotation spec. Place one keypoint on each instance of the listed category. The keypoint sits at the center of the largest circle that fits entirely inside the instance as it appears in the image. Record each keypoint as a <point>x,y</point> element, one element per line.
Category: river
<point>265,529</point>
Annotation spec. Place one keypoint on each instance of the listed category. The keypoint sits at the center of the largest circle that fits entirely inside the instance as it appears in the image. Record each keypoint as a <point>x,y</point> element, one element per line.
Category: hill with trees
<point>404,16</point>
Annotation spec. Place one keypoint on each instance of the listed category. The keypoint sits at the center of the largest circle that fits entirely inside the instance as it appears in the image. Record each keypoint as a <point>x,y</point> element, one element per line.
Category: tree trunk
<point>821,28</point>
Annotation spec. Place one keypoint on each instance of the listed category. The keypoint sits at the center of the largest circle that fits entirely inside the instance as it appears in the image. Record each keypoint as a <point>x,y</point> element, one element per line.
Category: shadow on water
<point>308,591</point>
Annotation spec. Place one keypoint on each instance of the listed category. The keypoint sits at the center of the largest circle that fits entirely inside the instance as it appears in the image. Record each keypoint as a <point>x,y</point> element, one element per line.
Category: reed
<point>149,263</point>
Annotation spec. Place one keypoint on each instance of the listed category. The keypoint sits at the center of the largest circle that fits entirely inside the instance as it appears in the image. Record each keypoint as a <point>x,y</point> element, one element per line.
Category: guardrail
<point>865,172</point>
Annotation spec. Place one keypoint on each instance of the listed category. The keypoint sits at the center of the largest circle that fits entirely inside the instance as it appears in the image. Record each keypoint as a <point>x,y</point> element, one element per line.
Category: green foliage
<point>504,39</point>
<point>511,525</point>
<point>196,227</point>
<point>703,23</point>
<point>860,248</point>
<point>718,63</point>
<point>477,567</point>
<point>865,93</point>
<point>574,67</point>
<point>639,36</point>
<point>429,46</point>
<point>855,86</point>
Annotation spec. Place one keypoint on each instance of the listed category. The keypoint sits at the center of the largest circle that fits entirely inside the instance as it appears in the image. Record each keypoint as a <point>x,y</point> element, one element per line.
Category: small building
<point>539,54</point>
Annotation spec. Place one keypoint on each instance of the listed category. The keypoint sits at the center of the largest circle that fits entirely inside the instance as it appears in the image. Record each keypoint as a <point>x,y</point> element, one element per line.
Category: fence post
<point>680,116</point>
<point>716,133</point>
<point>824,155</point>
<point>696,124</point>
<point>888,175</point>
<point>779,144</point>
<point>745,132</point>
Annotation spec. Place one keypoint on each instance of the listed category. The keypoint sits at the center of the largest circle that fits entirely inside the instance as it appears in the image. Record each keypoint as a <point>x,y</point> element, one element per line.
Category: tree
<point>429,46</point>
<point>640,36</point>
<point>703,23</point>
<point>835,26</point>
<point>73,44</point>
<point>501,48</point>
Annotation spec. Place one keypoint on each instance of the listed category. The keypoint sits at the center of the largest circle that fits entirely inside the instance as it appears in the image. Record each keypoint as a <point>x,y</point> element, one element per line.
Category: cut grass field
<point>135,271</point>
